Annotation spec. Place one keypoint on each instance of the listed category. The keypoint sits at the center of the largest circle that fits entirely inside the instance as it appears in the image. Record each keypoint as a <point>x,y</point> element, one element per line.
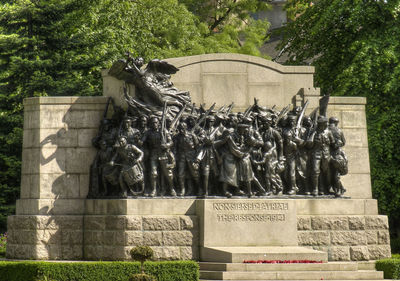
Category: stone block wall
<point>112,237</point>
<point>57,148</point>
<point>45,237</point>
<point>346,238</point>
<point>101,237</point>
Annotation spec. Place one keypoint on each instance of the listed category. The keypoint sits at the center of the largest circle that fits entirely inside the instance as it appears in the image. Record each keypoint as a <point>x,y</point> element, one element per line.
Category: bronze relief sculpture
<point>164,145</point>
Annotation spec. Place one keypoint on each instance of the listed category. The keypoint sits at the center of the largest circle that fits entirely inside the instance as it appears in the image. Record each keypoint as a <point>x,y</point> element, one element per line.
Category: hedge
<point>96,271</point>
<point>390,268</point>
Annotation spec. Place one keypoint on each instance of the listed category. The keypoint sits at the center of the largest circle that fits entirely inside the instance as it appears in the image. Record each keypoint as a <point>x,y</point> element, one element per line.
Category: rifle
<point>229,108</point>
<point>300,119</point>
<point>203,118</point>
<point>282,114</point>
<point>221,109</point>
<point>202,152</point>
<point>164,116</point>
<point>176,119</point>
<point>314,117</point>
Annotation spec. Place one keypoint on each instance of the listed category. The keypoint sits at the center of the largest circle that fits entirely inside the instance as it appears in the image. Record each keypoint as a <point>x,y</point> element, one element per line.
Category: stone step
<point>292,275</point>
<point>331,266</point>
<point>366,265</point>
<point>239,254</point>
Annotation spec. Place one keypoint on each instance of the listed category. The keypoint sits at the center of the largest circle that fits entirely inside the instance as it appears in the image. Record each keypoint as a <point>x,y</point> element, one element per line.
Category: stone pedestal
<point>246,223</point>
<point>344,229</point>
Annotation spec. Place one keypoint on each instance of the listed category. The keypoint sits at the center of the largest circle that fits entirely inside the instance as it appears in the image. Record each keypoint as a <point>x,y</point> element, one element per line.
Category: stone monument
<point>75,206</point>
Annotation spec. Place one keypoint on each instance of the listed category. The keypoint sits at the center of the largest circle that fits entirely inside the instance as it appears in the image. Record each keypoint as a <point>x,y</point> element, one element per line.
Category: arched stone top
<point>183,62</point>
<point>225,78</point>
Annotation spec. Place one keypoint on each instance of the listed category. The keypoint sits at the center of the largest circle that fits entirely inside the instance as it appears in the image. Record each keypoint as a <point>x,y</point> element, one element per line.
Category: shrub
<point>3,244</point>
<point>141,277</point>
<point>141,254</point>
<point>97,271</point>
<point>390,268</point>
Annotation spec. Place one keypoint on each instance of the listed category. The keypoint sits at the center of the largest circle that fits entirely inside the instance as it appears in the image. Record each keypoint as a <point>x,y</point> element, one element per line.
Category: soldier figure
<point>302,159</point>
<point>273,181</point>
<point>339,159</point>
<point>101,173</point>
<point>320,142</point>
<point>290,151</point>
<point>160,157</point>
<point>132,135</point>
<point>208,155</point>
<point>186,143</point>
<point>245,143</point>
<point>130,158</point>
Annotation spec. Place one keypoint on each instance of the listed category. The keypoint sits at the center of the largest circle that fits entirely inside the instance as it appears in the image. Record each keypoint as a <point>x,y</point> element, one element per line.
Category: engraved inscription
<point>251,217</point>
<point>262,206</point>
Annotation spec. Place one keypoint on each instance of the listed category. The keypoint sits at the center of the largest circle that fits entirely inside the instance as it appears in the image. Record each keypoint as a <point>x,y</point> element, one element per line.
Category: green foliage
<point>395,256</point>
<point>228,23</point>
<point>3,244</point>
<point>355,48</point>
<point>96,271</point>
<point>294,8</point>
<point>395,245</point>
<point>390,268</point>
<point>141,277</point>
<point>142,253</point>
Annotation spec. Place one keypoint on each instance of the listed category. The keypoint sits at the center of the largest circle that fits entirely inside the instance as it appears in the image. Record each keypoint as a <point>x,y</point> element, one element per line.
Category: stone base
<point>345,229</point>
<point>240,254</point>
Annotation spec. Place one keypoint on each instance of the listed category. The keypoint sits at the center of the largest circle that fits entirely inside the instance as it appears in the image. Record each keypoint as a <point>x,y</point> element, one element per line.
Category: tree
<point>232,19</point>
<point>355,48</point>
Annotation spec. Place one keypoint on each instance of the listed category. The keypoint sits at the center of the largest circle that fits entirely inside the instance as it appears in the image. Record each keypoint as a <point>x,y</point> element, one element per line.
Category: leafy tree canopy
<point>355,47</point>
<point>232,19</point>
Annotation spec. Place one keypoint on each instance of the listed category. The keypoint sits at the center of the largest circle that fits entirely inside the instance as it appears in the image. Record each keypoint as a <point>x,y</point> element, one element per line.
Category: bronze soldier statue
<point>160,157</point>
<point>320,142</point>
<point>187,143</point>
<point>339,162</point>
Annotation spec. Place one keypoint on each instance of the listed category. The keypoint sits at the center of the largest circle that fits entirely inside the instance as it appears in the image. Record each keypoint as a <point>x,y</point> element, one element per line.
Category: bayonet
<point>163,118</point>
<point>176,119</point>
<point>230,107</point>
<point>300,118</point>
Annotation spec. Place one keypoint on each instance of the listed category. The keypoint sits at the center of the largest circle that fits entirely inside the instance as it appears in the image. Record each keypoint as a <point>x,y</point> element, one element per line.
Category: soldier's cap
<point>322,119</point>
<point>143,117</point>
<point>210,118</point>
<point>220,116</point>
<point>153,118</point>
<point>265,117</point>
<point>333,120</point>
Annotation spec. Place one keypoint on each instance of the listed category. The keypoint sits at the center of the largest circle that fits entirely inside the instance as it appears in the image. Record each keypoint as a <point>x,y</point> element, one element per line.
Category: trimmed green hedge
<point>96,271</point>
<point>390,268</point>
